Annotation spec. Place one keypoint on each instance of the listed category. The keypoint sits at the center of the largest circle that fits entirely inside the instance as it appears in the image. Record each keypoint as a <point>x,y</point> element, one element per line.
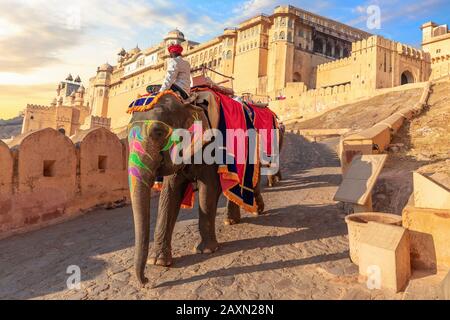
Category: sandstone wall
<point>310,103</point>
<point>47,177</point>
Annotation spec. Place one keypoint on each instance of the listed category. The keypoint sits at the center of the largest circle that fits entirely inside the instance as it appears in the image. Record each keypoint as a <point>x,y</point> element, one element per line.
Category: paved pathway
<point>299,250</point>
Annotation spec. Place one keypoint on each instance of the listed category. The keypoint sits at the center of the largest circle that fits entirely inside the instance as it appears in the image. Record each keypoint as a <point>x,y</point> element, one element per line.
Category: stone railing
<point>376,139</point>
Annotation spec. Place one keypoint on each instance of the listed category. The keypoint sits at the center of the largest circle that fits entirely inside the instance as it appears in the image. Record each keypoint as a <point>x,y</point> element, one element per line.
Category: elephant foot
<point>160,259</point>
<point>231,221</point>
<point>206,247</point>
<point>260,205</point>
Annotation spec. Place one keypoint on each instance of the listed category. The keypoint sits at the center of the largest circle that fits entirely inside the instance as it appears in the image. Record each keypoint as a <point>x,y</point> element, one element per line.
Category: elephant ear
<point>198,114</point>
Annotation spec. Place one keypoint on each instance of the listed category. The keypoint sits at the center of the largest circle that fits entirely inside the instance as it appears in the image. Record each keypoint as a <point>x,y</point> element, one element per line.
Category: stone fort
<point>301,63</point>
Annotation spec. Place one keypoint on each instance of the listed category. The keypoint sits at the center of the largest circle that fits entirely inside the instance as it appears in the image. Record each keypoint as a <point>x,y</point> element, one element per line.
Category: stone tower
<point>101,90</point>
<point>281,52</point>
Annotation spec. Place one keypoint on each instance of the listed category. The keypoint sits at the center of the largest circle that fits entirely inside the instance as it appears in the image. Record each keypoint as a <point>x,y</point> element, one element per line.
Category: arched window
<point>289,38</point>
<point>215,63</point>
<point>318,45</point>
<point>346,53</point>
<point>329,49</point>
<point>215,51</point>
<point>229,54</point>
<point>282,35</point>
<point>275,37</point>
<point>220,61</point>
<point>290,23</point>
<point>100,93</point>
<point>297,77</point>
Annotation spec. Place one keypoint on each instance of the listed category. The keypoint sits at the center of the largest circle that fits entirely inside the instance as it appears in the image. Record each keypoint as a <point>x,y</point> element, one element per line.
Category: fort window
<point>102,163</point>
<point>49,168</point>
<point>282,35</point>
<point>289,37</point>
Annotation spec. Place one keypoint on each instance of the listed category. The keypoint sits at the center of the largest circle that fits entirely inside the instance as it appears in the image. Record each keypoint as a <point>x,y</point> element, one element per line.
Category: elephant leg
<point>278,175</point>
<point>270,181</point>
<point>209,190</point>
<point>258,197</point>
<point>170,200</point>
<point>233,214</point>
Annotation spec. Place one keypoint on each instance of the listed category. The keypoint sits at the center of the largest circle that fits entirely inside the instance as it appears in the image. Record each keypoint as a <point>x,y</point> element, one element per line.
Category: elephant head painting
<point>151,142</point>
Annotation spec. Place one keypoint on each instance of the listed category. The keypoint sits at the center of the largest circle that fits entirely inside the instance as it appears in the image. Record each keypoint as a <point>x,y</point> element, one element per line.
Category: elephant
<point>272,179</point>
<point>149,135</point>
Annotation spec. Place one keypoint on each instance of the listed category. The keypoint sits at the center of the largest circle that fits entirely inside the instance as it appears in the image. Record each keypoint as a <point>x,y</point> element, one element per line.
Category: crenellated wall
<point>304,103</point>
<point>46,177</point>
<point>375,64</point>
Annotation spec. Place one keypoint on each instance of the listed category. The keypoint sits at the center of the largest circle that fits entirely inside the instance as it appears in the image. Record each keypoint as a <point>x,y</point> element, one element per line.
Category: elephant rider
<point>178,76</point>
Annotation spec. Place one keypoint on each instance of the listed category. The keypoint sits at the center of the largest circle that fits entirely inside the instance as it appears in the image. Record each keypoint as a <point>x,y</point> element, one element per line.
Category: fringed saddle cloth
<point>239,175</point>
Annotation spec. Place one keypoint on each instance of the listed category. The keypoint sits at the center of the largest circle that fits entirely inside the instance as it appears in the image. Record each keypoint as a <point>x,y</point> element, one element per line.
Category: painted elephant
<point>149,136</point>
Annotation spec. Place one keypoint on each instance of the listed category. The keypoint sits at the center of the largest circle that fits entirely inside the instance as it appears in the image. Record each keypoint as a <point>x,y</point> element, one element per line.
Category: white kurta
<point>179,73</point>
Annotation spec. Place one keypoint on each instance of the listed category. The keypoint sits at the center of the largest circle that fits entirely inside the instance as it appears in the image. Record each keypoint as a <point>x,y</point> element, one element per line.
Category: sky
<point>42,41</point>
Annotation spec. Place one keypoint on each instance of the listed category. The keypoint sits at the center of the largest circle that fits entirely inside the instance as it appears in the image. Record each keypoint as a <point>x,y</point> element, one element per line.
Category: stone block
<point>384,256</point>
<point>430,237</point>
<point>360,178</point>
<point>430,194</point>
<point>394,122</point>
<point>351,148</point>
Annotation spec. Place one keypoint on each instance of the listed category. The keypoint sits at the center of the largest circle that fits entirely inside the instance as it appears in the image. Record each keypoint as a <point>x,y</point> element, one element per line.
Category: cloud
<point>37,38</point>
<point>250,8</point>
<point>393,10</point>
<point>46,31</point>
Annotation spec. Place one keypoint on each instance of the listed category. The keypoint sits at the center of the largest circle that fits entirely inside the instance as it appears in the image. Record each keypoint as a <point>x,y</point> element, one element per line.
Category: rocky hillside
<point>11,127</point>
<point>422,145</point>
<point>362,114</point>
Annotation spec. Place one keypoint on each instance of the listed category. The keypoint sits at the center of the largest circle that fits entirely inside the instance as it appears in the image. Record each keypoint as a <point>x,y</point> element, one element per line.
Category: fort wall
<point>376,64</point>
<point>47,177</point>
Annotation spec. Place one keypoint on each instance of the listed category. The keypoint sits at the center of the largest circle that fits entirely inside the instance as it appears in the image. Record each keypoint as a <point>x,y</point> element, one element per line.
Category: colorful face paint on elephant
<point>135,164</point>
<point>137,139</point>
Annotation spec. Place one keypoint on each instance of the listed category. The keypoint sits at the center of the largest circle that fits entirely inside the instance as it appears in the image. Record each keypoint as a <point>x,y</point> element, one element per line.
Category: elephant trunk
<point>140,199</point>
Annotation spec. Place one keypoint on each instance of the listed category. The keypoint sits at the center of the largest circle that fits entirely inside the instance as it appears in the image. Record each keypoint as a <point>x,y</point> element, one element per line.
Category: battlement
<point>329,91</point>
<point>335,64</point>
<point>70,174</point>
<point>378,41</point>
<point>38,107</point>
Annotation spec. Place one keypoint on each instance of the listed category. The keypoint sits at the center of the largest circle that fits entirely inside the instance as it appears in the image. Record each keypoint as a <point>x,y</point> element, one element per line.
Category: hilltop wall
<point>376,65</point>
<point>47,177</point>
